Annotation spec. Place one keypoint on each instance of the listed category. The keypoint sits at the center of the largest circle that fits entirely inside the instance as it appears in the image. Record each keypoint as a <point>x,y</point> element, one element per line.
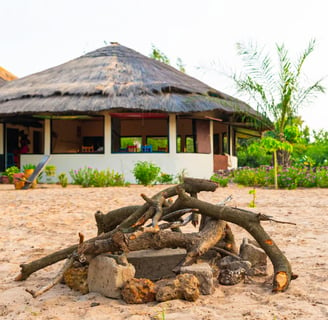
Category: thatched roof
<point>5,76</point>
<point>113,78</point>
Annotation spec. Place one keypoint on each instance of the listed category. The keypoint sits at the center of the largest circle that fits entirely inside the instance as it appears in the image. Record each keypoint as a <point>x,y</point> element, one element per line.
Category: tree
<point>161,56</point>
<point>277,94</point>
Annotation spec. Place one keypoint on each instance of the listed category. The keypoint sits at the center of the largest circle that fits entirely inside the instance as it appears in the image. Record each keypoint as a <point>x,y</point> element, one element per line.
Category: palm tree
<point>278,94</point>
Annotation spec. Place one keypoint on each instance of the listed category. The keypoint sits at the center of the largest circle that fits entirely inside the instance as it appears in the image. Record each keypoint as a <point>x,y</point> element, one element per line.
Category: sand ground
<point>36,222</point>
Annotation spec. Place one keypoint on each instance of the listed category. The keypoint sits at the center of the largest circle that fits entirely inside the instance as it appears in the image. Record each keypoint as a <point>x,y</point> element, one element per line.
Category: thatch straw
<point>113,78</point>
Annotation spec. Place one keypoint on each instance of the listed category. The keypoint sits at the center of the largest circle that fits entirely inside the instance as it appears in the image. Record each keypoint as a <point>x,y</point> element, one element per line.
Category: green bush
<point>322,177</point>
<point>10,171</point>
<point>88,177</point>
<point>254,177</point>
<point>63,180</point>
<point>288,178</point>
<point>165,178</point>
<point>146,173</point>
<point>220,179</point>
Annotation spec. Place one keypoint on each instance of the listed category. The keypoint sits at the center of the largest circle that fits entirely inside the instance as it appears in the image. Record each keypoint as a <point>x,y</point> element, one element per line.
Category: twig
<point>57,279</point>
<point>223,202</point>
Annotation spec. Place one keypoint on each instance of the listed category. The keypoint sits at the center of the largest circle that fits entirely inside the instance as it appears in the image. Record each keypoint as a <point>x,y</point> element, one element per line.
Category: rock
<point>138,291</point>
<point>232,271</point>
<point>204,274</point>
<point>184,286</point>
<point>156,264</point>
<point>77,279</point>
<point>107,277</point>
<point>255,255</point>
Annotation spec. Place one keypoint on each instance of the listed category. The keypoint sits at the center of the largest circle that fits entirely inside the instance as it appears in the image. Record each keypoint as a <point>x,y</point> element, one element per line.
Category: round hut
<point>113,107</point>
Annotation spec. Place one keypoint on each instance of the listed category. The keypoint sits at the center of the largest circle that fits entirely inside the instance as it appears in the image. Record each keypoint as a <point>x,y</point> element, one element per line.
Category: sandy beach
<point>39,221</point>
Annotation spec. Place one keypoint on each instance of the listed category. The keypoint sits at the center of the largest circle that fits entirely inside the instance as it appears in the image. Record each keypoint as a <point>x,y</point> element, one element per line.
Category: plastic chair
<point>132,148</point>
<point>87,149</point>
<point>148,148</point>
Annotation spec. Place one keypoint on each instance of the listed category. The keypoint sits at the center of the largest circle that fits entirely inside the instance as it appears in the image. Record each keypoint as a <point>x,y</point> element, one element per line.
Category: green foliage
<point>63,180</point>
<point>322,177</point>
<point>50,170</point>
<point>288,178</point>
<point>10,171</point>
<point>252,203</point>
<point>162,57</point>
<point>158,55</point>
<point>313,154</point>
<point>29,166</point>
<point>88,177</point>
<point>254,177</point>
<point>277,93</point>
<point>165,178</point>
<point>220,179</point>
<point>146,173</point>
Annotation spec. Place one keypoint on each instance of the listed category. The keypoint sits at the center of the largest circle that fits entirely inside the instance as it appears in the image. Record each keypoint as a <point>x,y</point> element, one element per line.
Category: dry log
<point>119,239</point>
<point>251,222</point>
<point>196,243</point>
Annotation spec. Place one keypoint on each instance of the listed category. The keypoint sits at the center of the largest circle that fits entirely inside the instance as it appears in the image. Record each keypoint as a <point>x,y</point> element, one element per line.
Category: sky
<point>39,34</point>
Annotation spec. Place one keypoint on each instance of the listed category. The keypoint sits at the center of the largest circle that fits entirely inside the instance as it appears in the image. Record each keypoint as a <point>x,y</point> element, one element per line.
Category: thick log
<point>128,216</point>
<point>251,222</point>
<point>196,244</point>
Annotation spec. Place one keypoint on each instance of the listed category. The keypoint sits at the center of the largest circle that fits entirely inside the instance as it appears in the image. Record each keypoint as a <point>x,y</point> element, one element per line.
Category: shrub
<point>322,177</point>
<point>10,171</point>
<point>165,178</point>
<point>63,180</point>
<point>88,177</point>
<point>146,172</point>
<point>220,179</point>
<point>288,178</point>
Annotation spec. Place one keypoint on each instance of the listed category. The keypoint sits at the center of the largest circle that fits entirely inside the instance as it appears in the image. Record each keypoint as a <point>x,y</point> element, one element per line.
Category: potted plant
<point>28,171</point>
<point>50,171</point>
<point>10,171</point>
<point>19,180</point>
<point>4,178</point>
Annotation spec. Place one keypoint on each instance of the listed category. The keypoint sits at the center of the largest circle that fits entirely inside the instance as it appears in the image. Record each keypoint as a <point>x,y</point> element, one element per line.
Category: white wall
<point>195,165</point>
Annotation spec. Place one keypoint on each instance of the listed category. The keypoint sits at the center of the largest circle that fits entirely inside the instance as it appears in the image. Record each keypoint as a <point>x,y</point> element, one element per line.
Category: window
<point>139,129</point>
<point>130,144</point>
<point>71,134</point>
<point>159,144</point>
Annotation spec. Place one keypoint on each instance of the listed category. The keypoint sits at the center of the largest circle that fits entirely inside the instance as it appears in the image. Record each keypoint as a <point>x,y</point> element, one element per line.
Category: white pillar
<point>172,133</point>
<point>2,135</point>
<point>230,140</point>
<point>47,136</point>
<point>107,134</point>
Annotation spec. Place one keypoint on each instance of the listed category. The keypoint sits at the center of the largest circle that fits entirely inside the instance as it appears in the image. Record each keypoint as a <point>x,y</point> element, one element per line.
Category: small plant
<point>88,177</point>
<point>50,170</point>
<point>181,175</point>
<point>165,178</point>
<point>10,171</point>
<point>220,179</point>
<point>146,173</point>
<point>63,180</point>
<point>252,203</point>
<point>29,166</point>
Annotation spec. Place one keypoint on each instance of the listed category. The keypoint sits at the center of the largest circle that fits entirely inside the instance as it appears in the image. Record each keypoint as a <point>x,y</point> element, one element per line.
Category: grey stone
<point>107,277</point>
<point>255,255</point>
<point>204,274</point>
<point>156,264</point>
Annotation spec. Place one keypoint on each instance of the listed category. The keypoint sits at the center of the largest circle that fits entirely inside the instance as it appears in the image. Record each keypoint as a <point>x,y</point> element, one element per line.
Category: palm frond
<point>304,55</point>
